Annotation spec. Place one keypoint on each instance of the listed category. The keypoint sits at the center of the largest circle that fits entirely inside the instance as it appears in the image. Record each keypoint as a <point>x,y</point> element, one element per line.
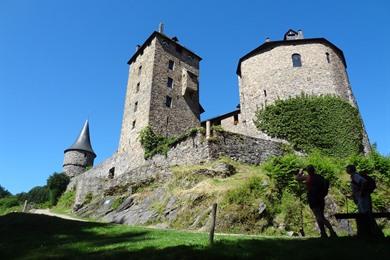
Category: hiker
<point>317,189</point>
<point>362,186</point>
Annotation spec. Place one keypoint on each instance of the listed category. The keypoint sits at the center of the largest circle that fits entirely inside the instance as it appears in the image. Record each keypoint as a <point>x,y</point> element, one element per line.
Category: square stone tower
<point>162,92</point>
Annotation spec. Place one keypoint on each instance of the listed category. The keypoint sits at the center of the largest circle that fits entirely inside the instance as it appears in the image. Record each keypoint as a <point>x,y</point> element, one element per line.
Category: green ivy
<point>157,144</point>
<point>326,123</point>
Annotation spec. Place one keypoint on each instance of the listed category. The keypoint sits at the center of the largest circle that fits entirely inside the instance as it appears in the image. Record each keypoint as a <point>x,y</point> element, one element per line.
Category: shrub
<point>66,200</point>
<point>4,192</point>
<point>327,123</point>
<point>57,184</point>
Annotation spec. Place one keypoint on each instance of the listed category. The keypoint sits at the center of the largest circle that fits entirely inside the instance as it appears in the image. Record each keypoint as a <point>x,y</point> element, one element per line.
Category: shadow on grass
<point>41,237</point>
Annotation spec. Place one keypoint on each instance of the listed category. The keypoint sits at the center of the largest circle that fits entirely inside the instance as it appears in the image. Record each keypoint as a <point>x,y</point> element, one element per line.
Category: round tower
<point>291,67</point>
<point>80,155</point>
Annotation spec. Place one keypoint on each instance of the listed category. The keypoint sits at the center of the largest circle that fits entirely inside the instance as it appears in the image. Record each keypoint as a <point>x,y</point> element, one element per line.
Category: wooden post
<point>213,218</point>
<point>208,129</point>
<point>25,206</point>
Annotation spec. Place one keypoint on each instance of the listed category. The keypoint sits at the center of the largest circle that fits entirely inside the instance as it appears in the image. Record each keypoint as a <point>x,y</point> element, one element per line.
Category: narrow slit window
<point>171,64</point>
<point>170,83</point>
<point>111,173</point>
<point>133,125</point>
<point>235,119</point>
<point>265,93</point>
<point>168,101</point>
<point>139,70</point>
<point>135,106</point>
<point>327,57</point>
<point>137,87</point>
<point>296,60</point>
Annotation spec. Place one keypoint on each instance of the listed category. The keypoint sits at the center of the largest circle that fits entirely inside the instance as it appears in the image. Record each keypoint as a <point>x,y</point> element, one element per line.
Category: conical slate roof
<point>83,142</point>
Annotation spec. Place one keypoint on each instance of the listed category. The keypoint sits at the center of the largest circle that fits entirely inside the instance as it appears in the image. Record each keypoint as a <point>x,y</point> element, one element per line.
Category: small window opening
<point>171,63</point>
<point>111,173</point>
<point>296,60</point>
<point>170,83</point>
<point>265,93</point>
<point>137,87</point>
<point>139,70</point>
<point>235,119</point>
<point>133,125</point>
<point>135,106</point>
<point>327,57</point>
<point>168,101</point>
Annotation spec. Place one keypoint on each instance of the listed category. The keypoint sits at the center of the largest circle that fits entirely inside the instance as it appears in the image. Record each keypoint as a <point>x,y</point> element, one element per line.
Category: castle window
<point>171,63</point>
<point>139,70</point>
<point>327,57</point>
<point>135,106</point>
<point>137,88</point>
<point>170,83</point>
<point>265,93</point>
<point>133,125</point>
<point>296,60</point>
<point>235,119</point>
<point>111,173</point>
<point>168,101</point>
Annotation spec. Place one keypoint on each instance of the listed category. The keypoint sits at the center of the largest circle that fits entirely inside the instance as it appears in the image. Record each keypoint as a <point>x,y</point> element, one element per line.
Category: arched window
<point>296,60</point>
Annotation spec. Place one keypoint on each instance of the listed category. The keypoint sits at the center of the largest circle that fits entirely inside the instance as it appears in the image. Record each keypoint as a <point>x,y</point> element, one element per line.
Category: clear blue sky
<point>64,61</point>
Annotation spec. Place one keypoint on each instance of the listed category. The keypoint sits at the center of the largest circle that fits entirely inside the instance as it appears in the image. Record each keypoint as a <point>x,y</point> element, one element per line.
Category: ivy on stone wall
<point>157,144</point>
<point>325,123</point>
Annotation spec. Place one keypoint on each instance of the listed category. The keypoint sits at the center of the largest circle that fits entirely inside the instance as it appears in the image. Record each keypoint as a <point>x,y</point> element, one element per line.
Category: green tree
<point>57,184</point>
<point>4,192</point>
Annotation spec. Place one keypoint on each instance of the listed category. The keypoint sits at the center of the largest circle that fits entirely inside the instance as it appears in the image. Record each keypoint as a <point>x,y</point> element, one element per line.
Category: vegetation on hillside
<point>157,144</point>
<point>326,123</point>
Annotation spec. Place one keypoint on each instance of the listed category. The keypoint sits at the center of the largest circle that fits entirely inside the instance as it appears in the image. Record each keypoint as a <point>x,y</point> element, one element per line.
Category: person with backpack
<point>317,189</point>
<point>362,186</point>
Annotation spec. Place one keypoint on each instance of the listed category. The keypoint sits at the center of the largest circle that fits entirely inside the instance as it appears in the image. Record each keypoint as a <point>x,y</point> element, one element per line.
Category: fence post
<point>25,206</point>
<point>213,218</point>
<point>208,130</point>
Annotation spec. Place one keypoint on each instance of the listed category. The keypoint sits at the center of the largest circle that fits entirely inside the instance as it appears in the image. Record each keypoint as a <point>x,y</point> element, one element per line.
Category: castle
<point>163,93</point>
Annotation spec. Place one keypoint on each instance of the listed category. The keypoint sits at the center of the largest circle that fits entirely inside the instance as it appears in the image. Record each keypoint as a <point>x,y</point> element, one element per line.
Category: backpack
<point>320,186</point>
<point>371,185</point>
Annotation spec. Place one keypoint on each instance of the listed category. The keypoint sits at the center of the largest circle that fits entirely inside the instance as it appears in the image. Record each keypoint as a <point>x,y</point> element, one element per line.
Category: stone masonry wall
<point>193,150</point>
<point>75,162</point>
<point>173,120</point>
<point>137,103</point>
<point>270,75</point>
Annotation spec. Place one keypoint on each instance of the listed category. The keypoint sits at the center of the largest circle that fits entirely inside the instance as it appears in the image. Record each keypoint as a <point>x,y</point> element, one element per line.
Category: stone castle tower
<point>162,91</point>
<point>80,155</point>
<point>287,68</point>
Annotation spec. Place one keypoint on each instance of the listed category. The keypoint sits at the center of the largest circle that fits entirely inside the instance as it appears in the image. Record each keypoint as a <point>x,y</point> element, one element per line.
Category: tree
<point>4,192</point>
<point>57,184</point>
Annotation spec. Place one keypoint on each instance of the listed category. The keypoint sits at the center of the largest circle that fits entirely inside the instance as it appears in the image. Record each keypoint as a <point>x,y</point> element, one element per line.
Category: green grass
<point>28,236</point>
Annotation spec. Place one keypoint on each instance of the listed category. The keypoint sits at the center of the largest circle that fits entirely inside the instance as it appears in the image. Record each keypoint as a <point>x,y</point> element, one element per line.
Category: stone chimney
<point>161,28</point>
<point>300,34</point>
<point>267,39</point>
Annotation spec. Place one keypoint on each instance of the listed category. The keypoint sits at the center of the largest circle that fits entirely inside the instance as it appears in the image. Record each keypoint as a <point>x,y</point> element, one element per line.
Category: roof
<point>83,141</point>
<point>220,117</point>
<point>269,45</point>
<point>148,41</point>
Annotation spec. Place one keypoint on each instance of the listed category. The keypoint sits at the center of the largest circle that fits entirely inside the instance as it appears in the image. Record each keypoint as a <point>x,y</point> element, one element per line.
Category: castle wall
<point>184,111</point>
<point>139,95</point>
<point>75,162</point>
<point>193,150</point>
<point>270,75</point>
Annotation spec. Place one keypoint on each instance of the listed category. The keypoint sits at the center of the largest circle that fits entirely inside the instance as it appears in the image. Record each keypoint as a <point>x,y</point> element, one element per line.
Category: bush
<point>4,192</point>
<point>327,123</point>
<point>57,184</point>
<point>66,200</point>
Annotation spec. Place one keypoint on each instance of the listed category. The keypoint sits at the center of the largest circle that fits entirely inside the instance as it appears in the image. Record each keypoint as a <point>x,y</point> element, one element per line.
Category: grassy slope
<point>27,236</point>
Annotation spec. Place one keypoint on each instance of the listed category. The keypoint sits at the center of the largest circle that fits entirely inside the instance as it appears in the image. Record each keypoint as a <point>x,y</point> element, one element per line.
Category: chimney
<point>161,28</point>
<point>300,34</point>
<point>267,39</point>
<point>137,47</point>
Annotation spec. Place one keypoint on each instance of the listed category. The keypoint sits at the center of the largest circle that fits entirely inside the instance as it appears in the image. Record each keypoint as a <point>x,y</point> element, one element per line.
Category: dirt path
<point>49,213</point>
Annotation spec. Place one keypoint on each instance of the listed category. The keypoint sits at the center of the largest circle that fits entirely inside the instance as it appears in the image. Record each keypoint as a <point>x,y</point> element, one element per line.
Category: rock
<point>127,203</point>
<point>220,169</point>
<point>290,233</point>
<point>262,208</point>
